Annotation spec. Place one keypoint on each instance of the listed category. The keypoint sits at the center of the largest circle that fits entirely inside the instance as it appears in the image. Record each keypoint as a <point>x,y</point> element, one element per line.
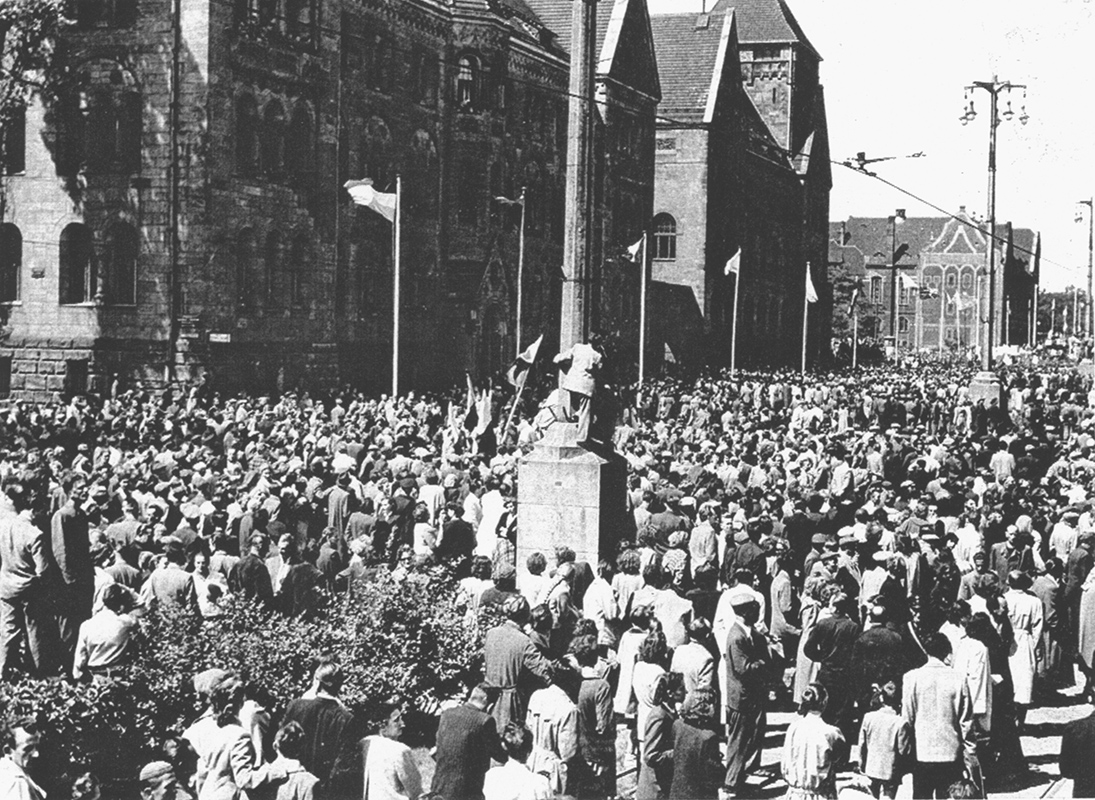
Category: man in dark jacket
<point>249,578</point>
<point>329,726</point>
<point>74,574</point>
<point>1077,745</point>
<point>830,643</point>
<point>467,740</point>
<point>512,663</point>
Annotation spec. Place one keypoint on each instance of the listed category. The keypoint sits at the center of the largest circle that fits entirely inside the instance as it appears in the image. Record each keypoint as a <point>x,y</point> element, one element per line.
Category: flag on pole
<point>928,292</point>
<point>856,292</point>
<point>506,201</point>
<point>811,292</point>
<point>733,266</point>
<point>964,301</point>
<point>633,252</point>
<point>518,373</point>
<point>364,194</point>
<point>908,282</point>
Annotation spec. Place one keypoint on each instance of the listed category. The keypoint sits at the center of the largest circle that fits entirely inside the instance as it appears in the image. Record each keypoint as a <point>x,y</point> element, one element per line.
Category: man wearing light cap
<point>746,667</point>
<point>158,782</point>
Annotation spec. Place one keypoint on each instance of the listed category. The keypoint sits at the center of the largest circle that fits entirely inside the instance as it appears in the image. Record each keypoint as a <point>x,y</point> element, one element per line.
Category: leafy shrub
<point>394,638</point>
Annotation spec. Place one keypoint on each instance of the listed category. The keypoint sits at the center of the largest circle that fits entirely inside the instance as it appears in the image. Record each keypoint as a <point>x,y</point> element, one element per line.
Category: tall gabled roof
<point>687,48</point>
<point>765,22</point>
<point>557,15</point>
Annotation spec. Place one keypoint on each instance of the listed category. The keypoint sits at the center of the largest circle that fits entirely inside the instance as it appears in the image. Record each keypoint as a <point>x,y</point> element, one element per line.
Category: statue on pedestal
<point>581,366</point>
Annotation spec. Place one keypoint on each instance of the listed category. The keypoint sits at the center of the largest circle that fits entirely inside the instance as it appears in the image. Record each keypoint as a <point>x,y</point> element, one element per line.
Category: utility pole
<point>898,216</point>
<point>1090,203</point>
<point>577,314</point>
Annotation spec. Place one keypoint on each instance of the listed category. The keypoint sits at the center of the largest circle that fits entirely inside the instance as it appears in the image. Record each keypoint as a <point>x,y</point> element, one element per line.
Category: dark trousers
<point>24,619</point>
<point>933,779</point>
<point>72,606</point>
<point>744,735</point>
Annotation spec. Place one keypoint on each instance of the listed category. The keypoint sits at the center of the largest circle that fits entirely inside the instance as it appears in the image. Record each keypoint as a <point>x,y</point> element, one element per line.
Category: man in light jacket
<point>936,704</point>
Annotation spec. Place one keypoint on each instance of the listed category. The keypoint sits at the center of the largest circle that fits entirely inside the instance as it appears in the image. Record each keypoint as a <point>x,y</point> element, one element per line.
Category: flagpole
<point>855,339</point>
<point>805,317</point>
<point>642,326</point>
<point>516,402</point>
<point>396,254</point>
<point>520,268</point>
<point>942,319</point>
<point>734,330</point>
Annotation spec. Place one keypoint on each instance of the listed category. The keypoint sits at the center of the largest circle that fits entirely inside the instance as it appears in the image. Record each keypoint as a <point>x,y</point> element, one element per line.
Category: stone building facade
<point>742,165</point>
<point>943,287</point>
<point>180,212</point>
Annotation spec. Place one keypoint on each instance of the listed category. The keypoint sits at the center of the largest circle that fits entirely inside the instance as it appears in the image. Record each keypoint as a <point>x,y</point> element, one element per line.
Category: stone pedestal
<point>568,495</point>
<point>986,386</point>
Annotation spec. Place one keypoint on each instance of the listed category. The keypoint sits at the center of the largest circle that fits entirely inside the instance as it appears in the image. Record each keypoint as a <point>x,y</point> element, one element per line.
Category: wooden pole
<point>396,228</point>
<point>805,317</point>
<point>520,269</point>
<point>734,330</point>
<point>642,322</point>
<point>855,339</point>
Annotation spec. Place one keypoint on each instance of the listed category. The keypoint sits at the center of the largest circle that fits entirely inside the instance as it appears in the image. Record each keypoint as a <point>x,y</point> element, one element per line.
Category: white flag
<point>733,266</point>
<point>634,250</point>
<point>964,301</point>
<point>364,194</point>
<point>811,293</point>
<point>908,282</point>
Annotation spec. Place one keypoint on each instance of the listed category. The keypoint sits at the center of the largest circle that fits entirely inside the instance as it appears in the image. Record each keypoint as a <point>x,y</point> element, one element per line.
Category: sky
<point>894,76</point>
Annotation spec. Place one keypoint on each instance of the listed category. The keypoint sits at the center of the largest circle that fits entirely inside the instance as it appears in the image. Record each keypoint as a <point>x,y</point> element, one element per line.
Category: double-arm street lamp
<point>994,88</point>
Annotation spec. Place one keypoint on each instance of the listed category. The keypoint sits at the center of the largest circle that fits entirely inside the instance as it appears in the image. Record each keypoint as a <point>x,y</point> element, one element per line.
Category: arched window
<point>903,325</point>
<point>468,77</point>
<point>273,262</point>
<point>299,264</point>
<point>247,124</point>
<point>121,246</point>
<point>665,237</point>
<point>299,155</point>
<point>245,265</point>
<point>77,273</point>
<point>952,277</point>
<point>13,142</point>
<point>273,139</point>
<point>967,279</point>
<point>11,262</point>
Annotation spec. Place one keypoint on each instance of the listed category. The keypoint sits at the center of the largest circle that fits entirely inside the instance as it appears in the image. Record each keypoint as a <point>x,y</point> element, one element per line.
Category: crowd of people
<point>909,568</point>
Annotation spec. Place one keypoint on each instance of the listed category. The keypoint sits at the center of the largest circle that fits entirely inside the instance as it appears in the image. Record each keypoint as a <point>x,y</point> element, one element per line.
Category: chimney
<point>703,22</point>
<point>961,209</point>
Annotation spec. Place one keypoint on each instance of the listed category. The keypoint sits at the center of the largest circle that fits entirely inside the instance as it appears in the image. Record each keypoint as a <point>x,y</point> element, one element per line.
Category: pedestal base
<point>986,386</point>
<point>568,495</point>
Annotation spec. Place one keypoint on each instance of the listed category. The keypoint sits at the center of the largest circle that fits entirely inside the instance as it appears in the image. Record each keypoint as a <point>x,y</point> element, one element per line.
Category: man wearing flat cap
<point>748,667</point>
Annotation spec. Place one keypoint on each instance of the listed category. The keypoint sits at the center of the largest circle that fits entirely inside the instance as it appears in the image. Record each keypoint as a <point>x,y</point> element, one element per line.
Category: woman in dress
<point>812,607</point>
<point>811,749</point>
<point>656,749</point>
<point>1025,614</point>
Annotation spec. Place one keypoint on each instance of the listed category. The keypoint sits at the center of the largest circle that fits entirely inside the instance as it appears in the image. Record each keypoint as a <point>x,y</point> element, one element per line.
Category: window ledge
<point>82,304</point>
<point>11,303</point>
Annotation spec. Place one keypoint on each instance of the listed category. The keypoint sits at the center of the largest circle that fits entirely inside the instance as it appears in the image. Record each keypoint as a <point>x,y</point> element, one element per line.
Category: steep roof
<point>872,236</point>
<point>687,49</point>
<point>765,22</point>
<point>556,16</point>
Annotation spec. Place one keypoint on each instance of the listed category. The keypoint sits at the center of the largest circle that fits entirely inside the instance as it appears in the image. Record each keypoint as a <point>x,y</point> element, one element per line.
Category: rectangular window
<point>5,376</point>
<point>13,143</point>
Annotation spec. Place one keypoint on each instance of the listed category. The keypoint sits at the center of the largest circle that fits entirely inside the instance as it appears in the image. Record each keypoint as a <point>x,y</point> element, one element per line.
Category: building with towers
<point>177,211</point>
<point>742,166</point>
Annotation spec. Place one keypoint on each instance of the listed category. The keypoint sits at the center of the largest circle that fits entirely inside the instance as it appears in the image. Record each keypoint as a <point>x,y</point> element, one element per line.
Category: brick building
<point>742,162</point>
<point>179,211</point>
<point>942,289</point>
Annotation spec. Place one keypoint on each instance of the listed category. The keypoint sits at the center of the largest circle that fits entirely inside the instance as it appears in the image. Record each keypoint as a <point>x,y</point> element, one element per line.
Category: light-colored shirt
<point>103,641</point>
<point>15,784</point>
<point>514,781</point>
<point>390,771</point>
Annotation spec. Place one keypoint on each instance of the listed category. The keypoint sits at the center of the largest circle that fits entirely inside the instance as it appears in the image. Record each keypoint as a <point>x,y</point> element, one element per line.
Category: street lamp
<point>898,217</point>
<point>1090,203</point>
<point>994,88</point>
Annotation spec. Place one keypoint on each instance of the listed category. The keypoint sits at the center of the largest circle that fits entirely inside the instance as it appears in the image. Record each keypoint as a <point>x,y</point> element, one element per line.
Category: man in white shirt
<point>21,739</point>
